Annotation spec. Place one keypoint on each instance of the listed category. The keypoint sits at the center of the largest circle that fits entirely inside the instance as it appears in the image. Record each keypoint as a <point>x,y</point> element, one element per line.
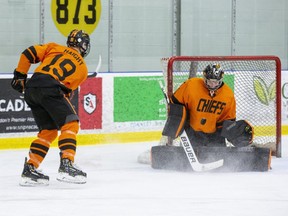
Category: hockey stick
<point>188,148</point>
<point>193,160</point>
<point>97,68</point>
<point>163,91</point>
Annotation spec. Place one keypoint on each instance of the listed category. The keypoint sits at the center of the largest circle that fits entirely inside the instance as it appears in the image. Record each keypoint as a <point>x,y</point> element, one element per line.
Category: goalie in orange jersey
<point>61,70</point>
<point>206,109</point>
<point>211,109</point>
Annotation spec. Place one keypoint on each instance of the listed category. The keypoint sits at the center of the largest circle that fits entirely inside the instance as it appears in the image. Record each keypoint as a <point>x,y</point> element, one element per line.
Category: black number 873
<point>62,12</point>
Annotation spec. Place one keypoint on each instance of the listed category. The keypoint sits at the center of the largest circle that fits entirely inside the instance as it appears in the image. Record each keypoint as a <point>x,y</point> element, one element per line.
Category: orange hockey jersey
<point>64,64</point>
<point>206,112</point>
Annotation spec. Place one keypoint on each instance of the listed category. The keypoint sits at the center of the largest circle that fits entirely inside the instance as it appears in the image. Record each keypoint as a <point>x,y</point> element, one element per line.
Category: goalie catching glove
<point>174,125</point>
<point>18,82</point>
<point>239,133</point>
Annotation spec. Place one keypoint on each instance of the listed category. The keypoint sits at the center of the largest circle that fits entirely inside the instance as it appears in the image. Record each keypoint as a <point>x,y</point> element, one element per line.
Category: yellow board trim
<point>109,138</point>
<point>269,130</point>
<point>284,130</point>
<point>86,139</point>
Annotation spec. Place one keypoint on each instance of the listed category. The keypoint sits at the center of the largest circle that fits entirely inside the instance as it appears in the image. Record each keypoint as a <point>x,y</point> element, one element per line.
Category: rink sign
<point>138,99</point>
<point>77,14</point>
<point>15,114</point>
<point>90,104</point>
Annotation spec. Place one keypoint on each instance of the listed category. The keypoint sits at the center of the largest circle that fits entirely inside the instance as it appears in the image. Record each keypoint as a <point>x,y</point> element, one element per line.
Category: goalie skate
<point>69,173</point>
<point>33,177</point>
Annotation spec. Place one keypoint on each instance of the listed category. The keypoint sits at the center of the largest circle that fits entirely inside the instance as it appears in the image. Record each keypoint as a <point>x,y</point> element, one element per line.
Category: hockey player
<point>211,112</point>
<point>61,70</point>
<point>206,108</point>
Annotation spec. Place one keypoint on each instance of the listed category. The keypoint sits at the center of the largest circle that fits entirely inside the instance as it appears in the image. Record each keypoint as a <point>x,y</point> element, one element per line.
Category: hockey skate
<point>70,173</point>
<point>33,177</point>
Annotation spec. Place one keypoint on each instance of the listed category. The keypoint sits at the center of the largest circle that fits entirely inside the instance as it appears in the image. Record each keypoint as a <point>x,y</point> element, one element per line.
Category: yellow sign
<point>76,14</point>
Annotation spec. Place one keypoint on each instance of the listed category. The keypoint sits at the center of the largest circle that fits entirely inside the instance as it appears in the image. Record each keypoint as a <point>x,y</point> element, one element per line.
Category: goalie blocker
<point>176,120</point>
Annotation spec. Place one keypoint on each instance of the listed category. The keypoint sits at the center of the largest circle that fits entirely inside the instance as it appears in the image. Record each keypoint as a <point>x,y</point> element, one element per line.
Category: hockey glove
<point>18,82</point>
<point>239,133</point>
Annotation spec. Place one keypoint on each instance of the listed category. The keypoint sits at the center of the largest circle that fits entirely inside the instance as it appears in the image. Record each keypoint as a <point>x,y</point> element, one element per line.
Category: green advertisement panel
<point>138,99</point>
<point>141,99</point>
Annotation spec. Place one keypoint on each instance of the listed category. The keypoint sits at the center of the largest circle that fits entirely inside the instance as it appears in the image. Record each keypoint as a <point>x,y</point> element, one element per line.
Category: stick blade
<point>92,75</point>
<point>197,167</point>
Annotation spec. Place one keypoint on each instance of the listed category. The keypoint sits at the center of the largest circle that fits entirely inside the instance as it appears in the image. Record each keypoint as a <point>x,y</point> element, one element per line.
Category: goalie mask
<point>213,76</point>
<point>80,40</point>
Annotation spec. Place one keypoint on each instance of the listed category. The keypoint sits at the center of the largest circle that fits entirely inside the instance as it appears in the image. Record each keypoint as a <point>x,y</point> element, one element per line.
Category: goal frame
<point>169,81</point>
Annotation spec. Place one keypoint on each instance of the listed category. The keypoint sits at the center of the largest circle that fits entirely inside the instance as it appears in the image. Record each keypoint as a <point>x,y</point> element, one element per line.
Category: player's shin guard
<point>67,140</point>
<point>40,146</point>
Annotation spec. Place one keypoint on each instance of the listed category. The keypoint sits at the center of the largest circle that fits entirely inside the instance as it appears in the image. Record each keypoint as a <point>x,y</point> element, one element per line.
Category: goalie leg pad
<point>242,159</point>
<point>176,120</point>
<point>169,158</point>
<point>239,133</point>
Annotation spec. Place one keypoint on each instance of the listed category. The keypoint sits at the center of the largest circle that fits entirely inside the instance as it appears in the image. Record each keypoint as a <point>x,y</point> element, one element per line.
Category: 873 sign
<point>76,14</point>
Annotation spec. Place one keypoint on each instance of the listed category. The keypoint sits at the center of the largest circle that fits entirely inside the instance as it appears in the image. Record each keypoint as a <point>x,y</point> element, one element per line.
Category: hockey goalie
<point>202,112</point>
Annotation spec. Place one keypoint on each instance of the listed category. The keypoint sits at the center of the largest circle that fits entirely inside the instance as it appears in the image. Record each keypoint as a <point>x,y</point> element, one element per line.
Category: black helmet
<point>80,40</point>
<point>215,74</point>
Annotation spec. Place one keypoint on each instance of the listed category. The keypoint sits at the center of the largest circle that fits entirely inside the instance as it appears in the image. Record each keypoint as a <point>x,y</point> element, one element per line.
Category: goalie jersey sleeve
<point>64,64</point>
<point>206,113</point>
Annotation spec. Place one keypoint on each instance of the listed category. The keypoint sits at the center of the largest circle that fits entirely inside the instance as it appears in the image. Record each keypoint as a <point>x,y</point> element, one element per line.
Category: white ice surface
<point>119,186</point>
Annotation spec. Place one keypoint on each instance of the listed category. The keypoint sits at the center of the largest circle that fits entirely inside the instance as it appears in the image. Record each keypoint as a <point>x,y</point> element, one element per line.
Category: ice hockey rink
<point>119,186</point>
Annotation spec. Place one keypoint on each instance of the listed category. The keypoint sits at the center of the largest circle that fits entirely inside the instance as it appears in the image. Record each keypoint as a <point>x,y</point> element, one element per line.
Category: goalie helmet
<point>213,76</point>
<point>80,40</point>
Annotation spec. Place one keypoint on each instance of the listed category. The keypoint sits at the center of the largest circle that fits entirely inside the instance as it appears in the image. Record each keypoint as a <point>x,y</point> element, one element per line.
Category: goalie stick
<point>97,68</point>
<point>188,148</point>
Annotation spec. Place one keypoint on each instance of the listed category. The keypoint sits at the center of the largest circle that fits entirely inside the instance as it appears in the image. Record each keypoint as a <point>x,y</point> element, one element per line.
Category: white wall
<point>133,35</point>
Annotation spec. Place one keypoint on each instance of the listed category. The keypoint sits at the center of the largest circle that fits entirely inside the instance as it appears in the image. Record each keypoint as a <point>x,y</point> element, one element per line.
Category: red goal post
<point>256,82</point>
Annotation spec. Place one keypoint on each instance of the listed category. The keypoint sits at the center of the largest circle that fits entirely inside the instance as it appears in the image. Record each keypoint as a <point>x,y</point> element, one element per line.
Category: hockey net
<point>256,82</point>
